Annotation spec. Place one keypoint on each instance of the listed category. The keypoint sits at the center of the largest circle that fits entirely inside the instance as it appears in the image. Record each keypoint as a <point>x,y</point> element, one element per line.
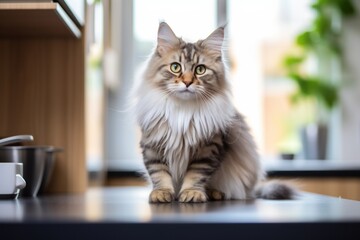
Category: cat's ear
<point>215,40</point>
<point>166,38</point>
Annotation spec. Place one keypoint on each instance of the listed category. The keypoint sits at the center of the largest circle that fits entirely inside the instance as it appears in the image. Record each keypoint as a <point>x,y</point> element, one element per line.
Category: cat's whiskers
<point>206,96</point>
<point>168,91</point>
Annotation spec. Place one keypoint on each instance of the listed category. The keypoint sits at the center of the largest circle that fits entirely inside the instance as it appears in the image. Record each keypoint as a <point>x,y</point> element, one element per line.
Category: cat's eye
<point>175,67</point>
<point>200,70</point>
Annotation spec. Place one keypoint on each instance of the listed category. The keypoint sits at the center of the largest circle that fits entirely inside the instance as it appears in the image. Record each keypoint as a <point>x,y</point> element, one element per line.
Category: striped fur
<point>196,146</point>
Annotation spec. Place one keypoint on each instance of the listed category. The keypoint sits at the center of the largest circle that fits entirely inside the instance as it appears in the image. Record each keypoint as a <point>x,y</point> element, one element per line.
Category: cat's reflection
<point>167,208</point>
<point>193,208</point>
<point>189,208</point>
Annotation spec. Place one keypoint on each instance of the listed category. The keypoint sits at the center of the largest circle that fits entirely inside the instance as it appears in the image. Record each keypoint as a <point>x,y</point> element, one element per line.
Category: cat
<point>196,146</point>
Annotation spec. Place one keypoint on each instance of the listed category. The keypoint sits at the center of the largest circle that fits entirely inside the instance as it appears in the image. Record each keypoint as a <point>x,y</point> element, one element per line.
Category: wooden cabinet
<point>42,88</point>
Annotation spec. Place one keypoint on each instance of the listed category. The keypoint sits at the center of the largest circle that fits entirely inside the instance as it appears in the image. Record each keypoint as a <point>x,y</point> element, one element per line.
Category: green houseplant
<point>319,44</point>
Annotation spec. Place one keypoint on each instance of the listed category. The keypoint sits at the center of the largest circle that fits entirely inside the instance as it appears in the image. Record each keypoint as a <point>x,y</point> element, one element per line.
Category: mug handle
<point>20,182</point>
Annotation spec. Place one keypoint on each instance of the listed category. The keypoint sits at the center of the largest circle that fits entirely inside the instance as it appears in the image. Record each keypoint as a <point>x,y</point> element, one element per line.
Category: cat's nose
<point>187,79</point>
<point>187,83</point>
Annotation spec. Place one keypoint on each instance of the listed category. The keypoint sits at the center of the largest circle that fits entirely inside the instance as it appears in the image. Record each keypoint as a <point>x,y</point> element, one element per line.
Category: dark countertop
<point>124,212</point>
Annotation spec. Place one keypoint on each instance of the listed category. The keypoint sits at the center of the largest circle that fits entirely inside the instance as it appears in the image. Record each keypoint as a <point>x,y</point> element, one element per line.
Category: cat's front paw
<point>161,196</point>
<point>192,195</point>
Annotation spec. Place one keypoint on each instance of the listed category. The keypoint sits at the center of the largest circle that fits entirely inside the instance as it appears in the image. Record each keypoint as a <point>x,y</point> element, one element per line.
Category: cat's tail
<point>276,189</point>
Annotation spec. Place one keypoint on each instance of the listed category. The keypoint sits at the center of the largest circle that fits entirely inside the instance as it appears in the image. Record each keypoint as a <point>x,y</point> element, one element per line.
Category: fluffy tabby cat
<point>196,146</point>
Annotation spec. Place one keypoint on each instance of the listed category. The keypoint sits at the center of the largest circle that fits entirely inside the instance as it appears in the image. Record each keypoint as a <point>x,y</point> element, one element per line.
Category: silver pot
<point>38,162</point>
<point>49,167</point>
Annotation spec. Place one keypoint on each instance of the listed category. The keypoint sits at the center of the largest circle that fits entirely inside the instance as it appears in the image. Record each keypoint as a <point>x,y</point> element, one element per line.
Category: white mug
<point>11,180</point>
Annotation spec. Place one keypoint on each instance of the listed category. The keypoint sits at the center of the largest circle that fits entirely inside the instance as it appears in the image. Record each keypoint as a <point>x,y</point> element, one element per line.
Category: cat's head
<point>187,71</point>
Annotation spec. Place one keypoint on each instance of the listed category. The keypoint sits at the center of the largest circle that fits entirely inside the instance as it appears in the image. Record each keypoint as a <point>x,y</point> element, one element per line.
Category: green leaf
<point>292,62</point>
<point>322,26</point>
<point>305,39</point>
<point>346,7</point>
<point>310,86</point>
<point>328,95</point>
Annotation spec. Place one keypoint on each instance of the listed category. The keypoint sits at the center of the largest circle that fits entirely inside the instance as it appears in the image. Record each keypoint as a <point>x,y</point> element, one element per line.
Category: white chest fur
<point>178,126</point>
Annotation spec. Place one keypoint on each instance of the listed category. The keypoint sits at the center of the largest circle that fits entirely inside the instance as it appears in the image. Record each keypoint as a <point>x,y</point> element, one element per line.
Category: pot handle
<point>16,139</point>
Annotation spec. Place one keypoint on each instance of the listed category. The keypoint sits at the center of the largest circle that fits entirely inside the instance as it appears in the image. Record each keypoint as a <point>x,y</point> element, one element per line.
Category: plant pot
<point>314,141</point>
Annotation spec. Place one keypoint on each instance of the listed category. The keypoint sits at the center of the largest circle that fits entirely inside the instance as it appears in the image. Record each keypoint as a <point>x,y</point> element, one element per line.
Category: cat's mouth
<point>186,90</point>
<point>185,93</point>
